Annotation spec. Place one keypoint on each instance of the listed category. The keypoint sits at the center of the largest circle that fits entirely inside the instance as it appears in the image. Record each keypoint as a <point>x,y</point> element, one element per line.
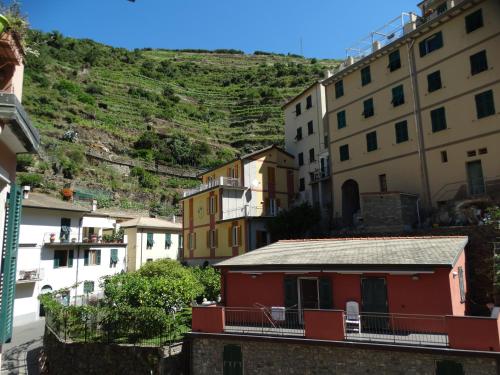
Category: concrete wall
<point>275,356</point>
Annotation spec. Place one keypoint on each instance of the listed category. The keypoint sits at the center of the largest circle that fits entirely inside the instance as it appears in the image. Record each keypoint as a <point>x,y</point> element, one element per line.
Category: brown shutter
<point>229,236</point>
<point>216,238</point>
<point>208,205</point>
<point>266,206</point>
<point>194,247</point>
<point>236,171</point>
<point>208,238</point>
<point>228,172</point>
<point>240,239</point>
<point>216,203</point>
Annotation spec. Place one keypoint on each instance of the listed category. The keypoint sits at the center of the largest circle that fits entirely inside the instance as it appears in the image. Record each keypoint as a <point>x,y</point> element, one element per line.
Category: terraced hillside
<point>185,109</point>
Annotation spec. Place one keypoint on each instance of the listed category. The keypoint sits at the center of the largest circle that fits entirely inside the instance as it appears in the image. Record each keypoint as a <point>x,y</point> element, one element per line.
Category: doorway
<point>45,289</point>
<point>350,201</point>
<point>308,293</point>
<point>475,177</point>
<point>374,303</point>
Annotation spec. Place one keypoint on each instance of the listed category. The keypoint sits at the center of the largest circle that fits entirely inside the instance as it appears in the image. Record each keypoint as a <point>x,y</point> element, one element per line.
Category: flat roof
<point>353,253</point>
<point>48,202</point>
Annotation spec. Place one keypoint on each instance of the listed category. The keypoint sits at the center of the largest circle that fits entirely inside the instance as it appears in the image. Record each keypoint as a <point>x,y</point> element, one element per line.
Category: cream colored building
<point>151,239</point>
<point>420,114</point>
<point>306,137</point>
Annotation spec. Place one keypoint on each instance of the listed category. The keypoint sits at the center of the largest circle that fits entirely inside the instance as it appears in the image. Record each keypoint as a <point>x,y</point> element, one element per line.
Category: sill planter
<point>4,23</point>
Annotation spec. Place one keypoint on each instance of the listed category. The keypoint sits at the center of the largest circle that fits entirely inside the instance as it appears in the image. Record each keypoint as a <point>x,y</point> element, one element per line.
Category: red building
<point>408,291</point>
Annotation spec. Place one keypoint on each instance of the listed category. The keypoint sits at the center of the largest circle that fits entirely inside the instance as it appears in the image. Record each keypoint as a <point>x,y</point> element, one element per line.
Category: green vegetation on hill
<point>184,108</point>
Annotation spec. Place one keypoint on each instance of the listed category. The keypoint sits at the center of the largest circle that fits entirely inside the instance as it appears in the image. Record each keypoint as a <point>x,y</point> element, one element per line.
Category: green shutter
<point>9,261</point>
<point>86,258</point>
<point>56,261</point>
<point>114,256</point>
<point>149,240</point>
<point>70,258</point>
<point>325,294</point>
<point>98,257</point>
<point>168,240</point>
<point>291,296</point>
<point>232,360</point>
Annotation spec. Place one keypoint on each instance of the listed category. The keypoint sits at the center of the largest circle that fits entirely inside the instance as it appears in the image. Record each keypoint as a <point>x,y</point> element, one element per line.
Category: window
<point>444,157</point>
<point>298,137</point>
<point>398,96</point>
<point>431,44</point>
<point>298,109</point>
<point>344,152</point>
<point>371,141</point>
<point>394,61</point>
<point>92,257</point>
<point>366,76</point>
<point>434,81</point>
<point>382,180</point>
<point>272,207</point>
<point>482,151</point>
<point>484,104</point>
<point>312,158</point>
<point>401,131</point>
<point>63,258</point>
<point>438,119</point>
<point>461,284</point>
<point>341,122</point>
<point>368,110</point>
<point>235,235</point>
<point>325,141</point>
<point>310,128</point>
<point>441,8</point>
<point>309,102</point>
<point>149,241</point>
<point>149,260</point>
<point>339,89</point>
<point>88,287</point>
<point>212,238</point>
<point>302,184</point>
<point>474,21</point>
<point>168,240</point>
<point>449,367</point>
<point>181,241</point>
<point>471,153</point>
<point>65,230</point>
<point>478,63</point>
<point>113,258</point>
<point>301,158</point>
<point>212,204</point>
<point>192,241</point>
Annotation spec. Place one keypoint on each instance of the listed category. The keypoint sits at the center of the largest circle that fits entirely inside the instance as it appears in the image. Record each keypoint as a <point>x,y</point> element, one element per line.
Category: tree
<point>209,278</point>
<point>297,222</point>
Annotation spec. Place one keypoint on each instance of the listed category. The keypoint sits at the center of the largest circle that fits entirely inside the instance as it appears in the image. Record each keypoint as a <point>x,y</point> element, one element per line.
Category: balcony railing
<point>320,174</point>
<point>230,182</point>
<point>28,276</point>
<point>249,211</point>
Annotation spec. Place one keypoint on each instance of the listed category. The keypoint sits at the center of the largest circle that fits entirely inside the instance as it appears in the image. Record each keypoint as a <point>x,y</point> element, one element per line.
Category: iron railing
<point>400,329</point>
<point>262,320</point>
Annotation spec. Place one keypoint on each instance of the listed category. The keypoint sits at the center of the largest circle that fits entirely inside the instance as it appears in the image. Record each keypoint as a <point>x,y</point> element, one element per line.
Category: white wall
<point>142,254</point>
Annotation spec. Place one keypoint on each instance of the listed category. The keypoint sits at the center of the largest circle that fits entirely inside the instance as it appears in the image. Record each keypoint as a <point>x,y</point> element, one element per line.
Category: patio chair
<point>352,317</point>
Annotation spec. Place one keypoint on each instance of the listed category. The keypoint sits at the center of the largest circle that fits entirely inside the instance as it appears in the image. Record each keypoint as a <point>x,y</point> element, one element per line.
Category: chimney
<point>349,61</point>
<point>94,205</point>
<point>376,46</point>
<point>26,191</point>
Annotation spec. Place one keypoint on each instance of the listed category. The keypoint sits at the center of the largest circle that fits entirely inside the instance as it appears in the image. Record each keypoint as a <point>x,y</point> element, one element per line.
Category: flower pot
<point>4,23</point>
<point>93,238</point>
<point>52,237</point>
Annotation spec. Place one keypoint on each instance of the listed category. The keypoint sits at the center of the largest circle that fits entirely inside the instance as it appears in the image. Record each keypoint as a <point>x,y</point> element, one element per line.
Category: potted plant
<point>4,23</point>
<point>93,238</point>
<point>52,237</point>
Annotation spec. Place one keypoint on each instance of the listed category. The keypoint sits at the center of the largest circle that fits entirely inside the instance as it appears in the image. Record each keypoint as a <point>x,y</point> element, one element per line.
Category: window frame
<point>310,127</point>
<point>339,89</point>
<point>235,240</point>
<point>68,259</point>
<point>344,152</point>
<point>341,119</point>
<point>300,158</point>
<point>302,184</point>
<point>92,257</point>
<point>471,22</point>
<point>298,109</point>
<point>371,141</point>
<point>366,76</point>
<point>478,62</point>
<point>312,155</point>
<point>394,62</point>
<point>485,104</point>
<point>461,284</point>
<point>368,108</point>
<point>398,128</point>
<point>309,102</point>
<point>398,96</point>
<point>298,135</point>
<point>427,45</point>
<point>432,80</point>
<point>438,114</point>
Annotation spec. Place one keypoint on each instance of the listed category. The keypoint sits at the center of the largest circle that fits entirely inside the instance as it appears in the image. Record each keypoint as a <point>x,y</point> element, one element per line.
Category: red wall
<point>458,307</point>
<point>241,290</point>
<point>474,333</point>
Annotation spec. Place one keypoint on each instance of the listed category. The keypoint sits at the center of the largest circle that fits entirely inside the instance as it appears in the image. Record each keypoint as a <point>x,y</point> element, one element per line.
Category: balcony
<point>250,211</point>
<point>19,132</point>
<point>226,182</point>
<point>28,276</point>
<point>320,175</point>
<point>435,331</point>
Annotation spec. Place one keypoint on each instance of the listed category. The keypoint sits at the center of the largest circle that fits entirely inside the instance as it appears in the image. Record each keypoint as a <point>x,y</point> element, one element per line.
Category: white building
<point>306,137</point>
<point>54,254</point>
<point>151,239</point>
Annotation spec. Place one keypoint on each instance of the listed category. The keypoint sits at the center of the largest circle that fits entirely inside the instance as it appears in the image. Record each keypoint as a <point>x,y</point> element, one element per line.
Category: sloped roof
<point>396,252</point>
<point>38,200</point>
<point>151,222</point>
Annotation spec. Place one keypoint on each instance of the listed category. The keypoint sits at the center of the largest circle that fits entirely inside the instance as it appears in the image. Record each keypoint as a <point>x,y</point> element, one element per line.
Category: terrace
<point>433,331</point>
<point>227,182</point>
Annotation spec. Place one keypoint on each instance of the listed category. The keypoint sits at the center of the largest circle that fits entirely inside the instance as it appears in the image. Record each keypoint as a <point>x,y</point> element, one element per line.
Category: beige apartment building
<point>306,137</point>
<point>419,112</point>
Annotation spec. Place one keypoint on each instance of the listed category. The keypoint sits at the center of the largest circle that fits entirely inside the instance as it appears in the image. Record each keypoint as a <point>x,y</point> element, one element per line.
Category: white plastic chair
<point>352,317</point>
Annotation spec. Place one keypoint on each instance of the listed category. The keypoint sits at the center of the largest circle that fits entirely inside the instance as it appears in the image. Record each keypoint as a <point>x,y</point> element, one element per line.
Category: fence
<point>408,329</point>
<point>70,329</point>
<point>264,321</point>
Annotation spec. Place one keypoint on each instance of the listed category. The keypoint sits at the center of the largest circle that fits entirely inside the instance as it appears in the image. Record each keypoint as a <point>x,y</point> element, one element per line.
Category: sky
<point>325,27</point>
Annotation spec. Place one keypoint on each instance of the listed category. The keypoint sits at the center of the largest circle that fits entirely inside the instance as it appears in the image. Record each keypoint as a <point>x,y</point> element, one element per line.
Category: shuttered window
<point>431,44</point>
<point>341,120</point>
<point>339,89</point>
<point>325,294</point>
<point>301,158</point>
<point>344,152</point>
<point>366,76</point>
<point>434,81</point>
<point>92,257</point>
<point>401,129</point>
<point>368,109</point>
<point>478,63</point>
<point>371,141</point>
<point>398,96</point>
<point>63,258</point>
<point>149,241</point>
<point>168,240</point>
<point>394,61</point>
<point>113,258</point>
<point>438,119</point>
<point>88,287</point>
<point>9,261</point>
<point>485,105</point>
<point>474,21</point>
<point>309,102</point>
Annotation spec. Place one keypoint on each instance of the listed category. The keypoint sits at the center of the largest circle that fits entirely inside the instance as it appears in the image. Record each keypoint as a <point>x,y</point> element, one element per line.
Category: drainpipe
<point>77,265</point>
<point>417,113</point>
<point>142,232</point>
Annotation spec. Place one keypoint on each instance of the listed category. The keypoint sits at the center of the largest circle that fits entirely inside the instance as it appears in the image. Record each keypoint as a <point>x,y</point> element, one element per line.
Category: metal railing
<point>221,181</point>
<point>400,329</point>
<point>262,320</point>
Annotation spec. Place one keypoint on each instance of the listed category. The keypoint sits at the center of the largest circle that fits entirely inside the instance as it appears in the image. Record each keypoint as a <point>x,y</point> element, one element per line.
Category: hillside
<point>187,109</point>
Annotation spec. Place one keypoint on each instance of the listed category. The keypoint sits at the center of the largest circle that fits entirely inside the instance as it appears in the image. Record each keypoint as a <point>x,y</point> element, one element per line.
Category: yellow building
<point>417,112</point>
<point>226,215</point>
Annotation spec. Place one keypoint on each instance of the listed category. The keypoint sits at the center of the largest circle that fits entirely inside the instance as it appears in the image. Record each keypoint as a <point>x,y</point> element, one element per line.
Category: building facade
<point>17,136</point>
<point>150,239</point>
<point>226,216</point>
<point>53,254</point>
<point>419,115</point>
<point>306,137</point>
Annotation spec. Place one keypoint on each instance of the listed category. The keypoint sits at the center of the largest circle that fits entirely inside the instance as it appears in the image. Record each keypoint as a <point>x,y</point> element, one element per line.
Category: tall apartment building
<point>306,137</point>
<point>418,112</point>
<point>226,216</point>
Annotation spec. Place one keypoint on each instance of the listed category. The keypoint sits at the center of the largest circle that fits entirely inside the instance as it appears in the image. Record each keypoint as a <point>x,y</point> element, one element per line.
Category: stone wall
<point>275,356</point>
<point>106,359</point>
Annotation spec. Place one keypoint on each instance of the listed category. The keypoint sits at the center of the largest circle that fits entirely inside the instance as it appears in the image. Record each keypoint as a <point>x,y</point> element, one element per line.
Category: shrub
<point>31,179</point>
<point>94,89</point>
<point>210,279</point>
<point>24,161</point>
